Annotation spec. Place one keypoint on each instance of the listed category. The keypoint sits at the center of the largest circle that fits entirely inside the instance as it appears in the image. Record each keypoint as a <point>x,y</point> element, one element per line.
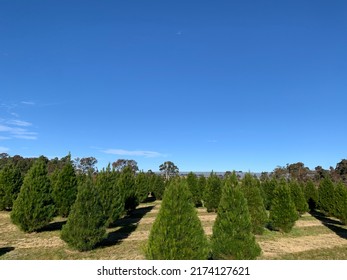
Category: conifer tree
<point>111,196</point>
<point>202,186</point>
<point>142,186</point>
<point>340,209</point>
<point>268,187</point>
<point>158,186</point>
<point>34,207</point>
<point>65,189</point>
<point>283,212</point>
<point>255,203</point>
<point>232,236</point>
<point>192,181</point>
<point>326,197</point>
<point>177,233</point>
<point>126,183</point>
<point>231,179</point>
<point>311,194</point>
<point>86,224</point>
<point>212,193</point>
<point>298,197</point>
<point>10,183</point>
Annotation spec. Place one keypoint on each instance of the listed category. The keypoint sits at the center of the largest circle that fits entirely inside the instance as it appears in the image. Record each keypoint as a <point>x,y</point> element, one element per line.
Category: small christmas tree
<point>177,233</point>
<point>86,224</point>
<point>212,193</point>
<point>232,236</point>
<point>298,197</point>
<point>283,212</point>
<point>311,194</point>
<point>10,183</point>
<point>193,186</point>
<point>34,207</point>
<point>326,197</point>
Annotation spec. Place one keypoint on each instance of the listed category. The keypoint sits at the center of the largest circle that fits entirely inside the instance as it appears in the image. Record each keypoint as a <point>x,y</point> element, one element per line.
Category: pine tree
<point>311,195</point>
<point>255,203</point>
<point>326,197</point>
<point>111,196</point>
<point>177,233</point>
<point>126,183</point>
<point>283,212</point>
<point>340,209</point>
<point>212,193</point>
<point>231,179</point>
<point>268,187</point>
<point>86,224</point>
<point>232,236</point>
<point>34,207</point>
<point>10,183</point>
<point>65,189</point>
<point>142,186</point>
<point>298,197</point>
<point>158,186</point>
<point>192,181</point>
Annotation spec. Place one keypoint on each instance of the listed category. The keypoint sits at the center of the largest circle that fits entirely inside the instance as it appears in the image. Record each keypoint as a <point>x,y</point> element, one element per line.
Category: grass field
<point>313,237</point>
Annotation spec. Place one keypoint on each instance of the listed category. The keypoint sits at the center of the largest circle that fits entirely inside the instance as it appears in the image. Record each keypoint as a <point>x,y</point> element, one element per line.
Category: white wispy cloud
<point>120,152</point>
<point>4,149</point>
<point>19,123</point>
<point>17,132</point>
<point>28,103</point>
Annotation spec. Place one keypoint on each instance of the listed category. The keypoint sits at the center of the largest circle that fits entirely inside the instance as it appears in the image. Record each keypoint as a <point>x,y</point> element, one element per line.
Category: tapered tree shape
<point>142,182</point>
<point>126,183</point>
<point>86,224</point>
<point>232,236</point>
<point>326,196</point>
<point>34,208</point>
<point>111,195</point>
<point>255,203</point>
<point>298,197</point>
<point>340,209</point>
<point>268,187</point>
<point>283,212</point>
<point>157,186</point>
<point>65,190</point>
<point>311,195</point>
<point>10,184</point>
<point>212,193</point>
<point>177,233</point>
<point>192,181</point>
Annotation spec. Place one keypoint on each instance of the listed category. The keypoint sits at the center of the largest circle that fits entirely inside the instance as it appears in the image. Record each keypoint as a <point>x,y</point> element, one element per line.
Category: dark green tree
<point>298,197</point>
<point>255,203</point>
<point>212,193</point>
<point>268,187</point>
<point>192,181</point>
<point>86,224</point>
<point>126,183</point>
<point>158,186</point>
<point>311,194</point>
<point>142,182</point>
<point>326,199</point>
<point>232,236</point>
<point>283,212</point>
<point>65,189</point>
<point>10,183</point>
<point>110,193</point>
<point>34,207</point>
<point>340,209</point>
<point>169,169</point>
<point>177,233</point>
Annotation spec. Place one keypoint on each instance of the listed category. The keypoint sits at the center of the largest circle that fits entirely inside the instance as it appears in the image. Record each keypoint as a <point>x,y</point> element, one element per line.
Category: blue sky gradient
<point>222,85</point>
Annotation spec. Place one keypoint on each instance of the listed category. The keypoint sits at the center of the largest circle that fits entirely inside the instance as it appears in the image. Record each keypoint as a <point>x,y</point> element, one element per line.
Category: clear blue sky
<point>222,85</point>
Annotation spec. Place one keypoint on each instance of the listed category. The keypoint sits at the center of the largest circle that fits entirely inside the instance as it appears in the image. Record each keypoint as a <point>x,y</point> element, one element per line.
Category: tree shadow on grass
<point>53,226</point>
<point>5,250</point>
<point>334,225</point>
<point>127,224</point>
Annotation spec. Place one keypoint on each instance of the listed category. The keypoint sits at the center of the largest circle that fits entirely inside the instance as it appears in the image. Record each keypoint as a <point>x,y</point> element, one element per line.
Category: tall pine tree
<point>86,224</point>
<point>232,236</point>
<point>10,183</point>
<point>177,233</point>
<point>34,207</point>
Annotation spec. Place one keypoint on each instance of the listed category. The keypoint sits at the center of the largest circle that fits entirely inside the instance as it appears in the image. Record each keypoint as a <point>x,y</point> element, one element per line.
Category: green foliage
<point>340,209</point>
<point>255,203</point>
<point>65,189</point>
<point>192,181</point>
<point>142,182</point>
<point>311,194</point>
<point>212,193</point>
<point>34,208</point>
<point>126,183</point>
<point>326,196</point>
<point>110,193</point>
<point>158,186</point>
<point>283,212</point>
<point>177,233</point>
<point>268,187</point>
<point>231,179</point>
<point>86,224</point>
<point>10,183</point>
<point>298,197</point>
<point>232,236</point>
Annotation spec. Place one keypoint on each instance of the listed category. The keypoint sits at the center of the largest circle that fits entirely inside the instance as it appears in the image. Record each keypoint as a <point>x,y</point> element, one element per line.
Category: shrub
<point>177,233</point>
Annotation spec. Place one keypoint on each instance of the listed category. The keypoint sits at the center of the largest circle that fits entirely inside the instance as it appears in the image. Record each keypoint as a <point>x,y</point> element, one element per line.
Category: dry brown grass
<point>311,238</point>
